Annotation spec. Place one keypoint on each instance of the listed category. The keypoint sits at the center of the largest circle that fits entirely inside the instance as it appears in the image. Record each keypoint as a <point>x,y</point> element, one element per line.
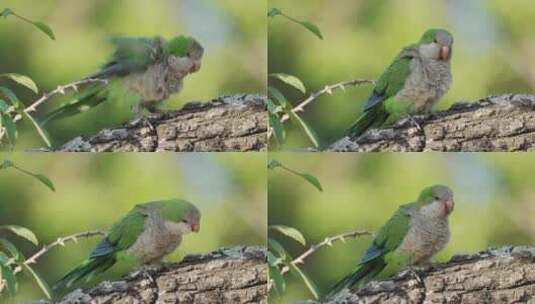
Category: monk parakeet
<point>141,72</point>
<point>146,234</point>
<point>411,237</point>
<point>419,76</point>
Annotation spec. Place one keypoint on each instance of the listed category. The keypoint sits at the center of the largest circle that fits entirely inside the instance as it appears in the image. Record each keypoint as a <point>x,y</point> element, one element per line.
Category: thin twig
<point>60,90</point>
<point>327,241</point>
<point>327,90</point>
<point>60,241</point>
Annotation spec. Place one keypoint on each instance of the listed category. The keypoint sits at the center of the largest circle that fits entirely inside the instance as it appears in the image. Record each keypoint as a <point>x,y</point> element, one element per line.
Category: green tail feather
<point>88,98</point>
<point>359,277</point>
<point>374,117</point>
<point>86,271</point>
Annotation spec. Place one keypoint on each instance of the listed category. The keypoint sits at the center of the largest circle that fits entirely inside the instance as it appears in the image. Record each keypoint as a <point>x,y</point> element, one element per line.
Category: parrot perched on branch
<point>419,76</point>
<point>411,237</point>
<point>146,234</point>
<point>141,72</point>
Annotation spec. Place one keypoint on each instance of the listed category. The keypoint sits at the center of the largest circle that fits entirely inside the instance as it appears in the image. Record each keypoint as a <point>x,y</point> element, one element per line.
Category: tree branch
<point>327,241</point>
<point>228,123</point>
<point>328,89</point>
<point>60,241</point>
<point>496,123</point>
<point>504,275</point>
<point>228,275</point>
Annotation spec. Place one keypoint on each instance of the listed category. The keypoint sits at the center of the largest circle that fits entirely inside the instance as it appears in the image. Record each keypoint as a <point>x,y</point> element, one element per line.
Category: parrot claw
<point>144,121</point>
<point>411,119</point>
<point>413,272</point>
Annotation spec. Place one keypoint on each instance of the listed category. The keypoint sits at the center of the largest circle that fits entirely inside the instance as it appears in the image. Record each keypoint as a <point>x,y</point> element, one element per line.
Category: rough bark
<point>504,275</point>
<point>228,123</point>
<point>496,123</point>
<point>228,275</point>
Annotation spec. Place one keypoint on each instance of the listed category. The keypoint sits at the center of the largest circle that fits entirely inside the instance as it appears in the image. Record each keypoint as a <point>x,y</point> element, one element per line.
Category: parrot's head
<point>185,217</point>
<point>436,44</point>
<point>186,49</point>
<point>436,201</point>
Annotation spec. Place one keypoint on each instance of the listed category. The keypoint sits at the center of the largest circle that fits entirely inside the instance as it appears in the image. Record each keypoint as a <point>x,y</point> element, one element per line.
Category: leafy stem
<point>58,242</point>
<point>328,241</point>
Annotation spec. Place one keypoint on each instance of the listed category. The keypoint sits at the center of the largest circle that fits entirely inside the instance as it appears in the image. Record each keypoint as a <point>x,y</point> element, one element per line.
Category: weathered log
<point>496,123</point>
<point>228,123</point>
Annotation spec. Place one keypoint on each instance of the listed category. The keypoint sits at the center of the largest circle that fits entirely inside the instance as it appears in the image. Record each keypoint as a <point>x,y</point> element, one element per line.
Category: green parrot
<point>411,237</point>
<point>419,76</point>
<point>142,72</point>
<point>146,234</point>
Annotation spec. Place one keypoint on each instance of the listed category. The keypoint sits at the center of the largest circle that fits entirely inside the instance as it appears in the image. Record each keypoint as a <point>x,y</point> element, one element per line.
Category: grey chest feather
<point>156,83</point>
<point>425,238</point>
<point>428,81</point>
<point>157,240</point>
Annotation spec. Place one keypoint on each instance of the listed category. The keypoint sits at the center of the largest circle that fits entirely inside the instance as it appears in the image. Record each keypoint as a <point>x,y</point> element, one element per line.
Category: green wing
<point>392,80</point>
<point>122,234</point>
<point>131,54</point>
<point>390,235</point>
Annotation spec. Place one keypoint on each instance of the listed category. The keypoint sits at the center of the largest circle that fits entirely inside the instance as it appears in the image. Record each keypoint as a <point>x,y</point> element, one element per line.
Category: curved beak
<point>195,227</point>
<point>445,53</point>
<point>449,206</point>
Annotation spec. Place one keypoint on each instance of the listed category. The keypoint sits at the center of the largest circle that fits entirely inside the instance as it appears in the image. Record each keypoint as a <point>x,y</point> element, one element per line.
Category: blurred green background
<point>494,51</point>
<point>93,191</point>
<point>494,195</point>
<point>233,34</point>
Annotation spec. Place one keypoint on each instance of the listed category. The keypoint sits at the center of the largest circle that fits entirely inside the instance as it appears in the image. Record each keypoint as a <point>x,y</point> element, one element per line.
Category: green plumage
<point>147,222</point>
<point>377,256</point>
<point>405,89</point>
<point>120,237</point>
<point>414,233</point>
<point>132,56</point>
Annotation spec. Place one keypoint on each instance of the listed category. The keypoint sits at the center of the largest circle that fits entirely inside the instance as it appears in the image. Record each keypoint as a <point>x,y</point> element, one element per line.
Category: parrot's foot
<point>411,119</point>
<point>144,121</point>
<point>413,272</point>
<point>148,272</point>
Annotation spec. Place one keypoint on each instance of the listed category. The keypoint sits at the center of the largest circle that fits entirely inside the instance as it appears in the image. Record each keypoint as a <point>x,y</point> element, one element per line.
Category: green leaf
<point>45,29</point>
<point>9,277</point>
<point>274,164</point>
<point>22,80</point>
<point>278,280</point>
<point>6,12</point>
<point>12,97</point>
<point>278,128</point>
<point>278,248</point>
<point>22,232</point>
<point>3,106</point>
<point>273,260</point>
<point>273,108</point>
<point>308,130</point>
<point>274,12</point>
<point>6,164</point>
<point>3,258</point>
<point>11,129</point>
<point>308,282</point>
<point>42,283</point>
<point>290,80</point>
<point>279,97</point>
<point>40,130</point>
<point>312,180</point>
<point>290,232</point>
<point>11,248</point>
<point>312,28</point>
<point>46,181</point>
